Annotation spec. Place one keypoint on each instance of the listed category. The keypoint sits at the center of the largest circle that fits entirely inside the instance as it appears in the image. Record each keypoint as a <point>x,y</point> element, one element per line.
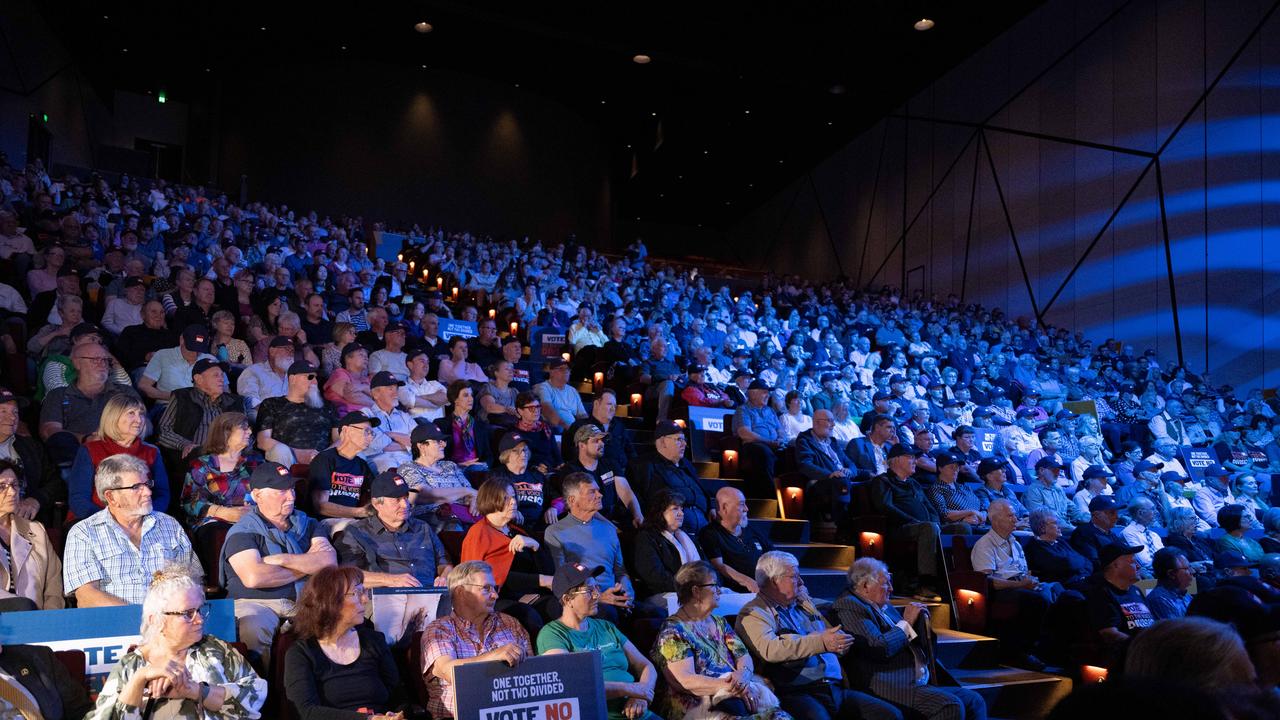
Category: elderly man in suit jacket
<point>829,471</point>
<point>890,658</point>
<point>798,650</point>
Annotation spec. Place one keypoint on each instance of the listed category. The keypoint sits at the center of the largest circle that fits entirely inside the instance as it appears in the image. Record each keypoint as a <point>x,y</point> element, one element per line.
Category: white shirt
<point>1137,534</point>
<point>846,431</point>
<point>259,382</point>
<point>396,421</point>
<point>999,557</point>
<point>11,300</point>
<point>11,244</point>
<point>793,425</point>
<point>414,389</point>
<point>120,314</point>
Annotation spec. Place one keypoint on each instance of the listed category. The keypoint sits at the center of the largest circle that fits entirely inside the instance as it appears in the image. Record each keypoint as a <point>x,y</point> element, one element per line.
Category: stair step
<point>707,468</point>
<point>824,584</point>
<point>762,508</point>
<point>1013,692</point>
<point>957,649</point>
<point>819,555</point>
<point>779,530</point>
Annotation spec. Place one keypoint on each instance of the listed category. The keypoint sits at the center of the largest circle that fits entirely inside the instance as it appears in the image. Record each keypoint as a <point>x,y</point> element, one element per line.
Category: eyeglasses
<point>716,588</point>
<point>96,360</point>
<point>483,587</point>
<point>534,406</point>
<point>6,487</point>
<point>362,592</point>
<point>592,590</point>
<point>135,486</point>
<point>190,613</point>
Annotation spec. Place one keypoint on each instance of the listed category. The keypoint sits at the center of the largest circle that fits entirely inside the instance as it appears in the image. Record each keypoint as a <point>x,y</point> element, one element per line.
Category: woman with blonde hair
<point>120,431</point>
<point>218,482</point>
<point>178,671</point>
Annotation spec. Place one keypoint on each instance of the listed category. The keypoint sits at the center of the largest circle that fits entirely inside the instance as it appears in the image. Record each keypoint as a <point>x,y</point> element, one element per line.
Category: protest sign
<point>568,686</point>
<point>449,327</point>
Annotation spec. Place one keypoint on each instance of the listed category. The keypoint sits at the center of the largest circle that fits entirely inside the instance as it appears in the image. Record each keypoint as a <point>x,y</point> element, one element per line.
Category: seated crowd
<point>195,363</point>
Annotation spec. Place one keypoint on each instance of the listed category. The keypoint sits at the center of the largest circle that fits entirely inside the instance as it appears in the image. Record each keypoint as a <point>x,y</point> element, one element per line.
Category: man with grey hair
<point>829,471</point>
<point>111,555</point>
<point>1138,532</point>
<point>582,536</point>
<point>891,656</point>
<point>472,632</point>
<point>999,556</point>
<point>797,649</point>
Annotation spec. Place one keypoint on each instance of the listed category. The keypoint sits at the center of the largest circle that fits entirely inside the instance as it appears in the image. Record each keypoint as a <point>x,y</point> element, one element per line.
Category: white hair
<point>774,563</point>
<point>113,469</point>
<point>167,582</point>
<point>864,571</point>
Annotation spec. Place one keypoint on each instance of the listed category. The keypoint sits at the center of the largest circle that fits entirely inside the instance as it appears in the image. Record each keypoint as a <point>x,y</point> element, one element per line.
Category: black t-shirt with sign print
<point>611,507</point>
<point>531,494</point>
<point>740,552</point>
<point>346,480</point>
<point>1124,610</point>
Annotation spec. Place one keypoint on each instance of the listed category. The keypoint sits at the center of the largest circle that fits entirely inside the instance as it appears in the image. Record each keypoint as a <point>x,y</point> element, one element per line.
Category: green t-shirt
<point>599,635</point>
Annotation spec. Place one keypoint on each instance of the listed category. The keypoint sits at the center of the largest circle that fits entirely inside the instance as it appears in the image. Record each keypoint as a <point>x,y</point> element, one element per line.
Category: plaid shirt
<point>455,638</point>
<point>98,549</point>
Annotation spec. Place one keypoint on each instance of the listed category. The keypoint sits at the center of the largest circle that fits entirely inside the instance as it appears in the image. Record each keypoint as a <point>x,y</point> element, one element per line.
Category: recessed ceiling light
<point>344,47</point>
<point>517,84</point>
<point>602,102</point>
<point>124,49</point>
<point>208,69</point>
<point>641,59</point>
<point>423,27</point>
<point>106,17</point>
<point>424,67</point>
<point>653,114</point>
<point>836,89</point>
<point>923,24</point>
<point>263,28</point>
<point>706,152</point>
<point>746,112</point>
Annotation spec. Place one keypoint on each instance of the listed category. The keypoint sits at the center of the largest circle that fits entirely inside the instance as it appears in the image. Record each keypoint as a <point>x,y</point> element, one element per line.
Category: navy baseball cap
<point>7,396</point>
<point>510,440</point>
<point>942,458</point>
<point>358,418</point>
<point>425,431</point>
<point>1097,471</point>
<point>302,367</point>
<point>1108,553</point>
<point>384,378</point>
<point>881,396</point>
<point>204,364</point>
<point>665,428</point>
<point>1103,503</point>
<point>1026,413</point>
<point>389,483</point>
<point>1215,470</point>
<point>571,575</point>
<point>280,341</point>
<point>271,476</point>
<point>1144,465</point>
<point>196,338</point>
<point>758,384</point>
<point>1048,462</point>
<point>901,449</point>
<point>989,465</point>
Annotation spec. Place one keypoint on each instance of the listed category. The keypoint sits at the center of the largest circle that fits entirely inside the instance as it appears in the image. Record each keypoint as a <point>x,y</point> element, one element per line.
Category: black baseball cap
<point>1103,503</point>
<point>82,329</point>
<point>133,282</point>
<point>204,364</point>
<point>571,575</point>
<point>271,476</point>
<point>1215,470</point>
<point>280,341</point>
<point>901,449</point>
<point>1144,465</point>
<point>394,326</point>
<point>1048,462</point>
<point>351,347</point>
<point>556,363</point>
<point>758,384</point>
<point>68,270</point>
<point>665,428</point>
<point>942,458</point>
<point>510,440</point>
<point>196,338</point>
<point>881,396</point>
<point>302,367</point>
<point>425,431</point>
<point>989,465</point>
<point>1026,413</point>
<point>7,396</point>
<point>357,418</point>
<point>1096,471</point>
<point>389,483</point>
<point>1108,553</point>
<point>384,378</point>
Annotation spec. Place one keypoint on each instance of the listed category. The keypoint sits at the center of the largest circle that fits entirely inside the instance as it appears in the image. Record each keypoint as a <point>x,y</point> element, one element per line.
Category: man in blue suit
<point>869,454</point>
<point>828,469</point>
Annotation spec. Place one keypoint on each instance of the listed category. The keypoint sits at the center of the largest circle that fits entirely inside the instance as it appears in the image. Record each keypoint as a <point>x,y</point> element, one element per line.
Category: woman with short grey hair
<point>178,671</point>
<point>1183,535</point>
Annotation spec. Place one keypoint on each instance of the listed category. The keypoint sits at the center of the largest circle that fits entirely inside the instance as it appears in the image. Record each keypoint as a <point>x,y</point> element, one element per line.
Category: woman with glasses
<point>178,671</point>
<point>30,569</point>
<point>466,436</point>
<point>218,482</point>
<point>120,431</point>
<point>520,566</point>
<point>708,669</point>
<point>498,397</point>
<point>661,548</point>
<point>341,664</point>
<point>529,484</point>
<point>544,451</point>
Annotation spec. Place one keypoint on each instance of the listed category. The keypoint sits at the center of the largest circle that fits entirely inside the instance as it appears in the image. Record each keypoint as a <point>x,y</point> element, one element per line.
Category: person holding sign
<point>178,671</point>
<point>629,677</point>
<point>340,668</point>
<point>472,633</point>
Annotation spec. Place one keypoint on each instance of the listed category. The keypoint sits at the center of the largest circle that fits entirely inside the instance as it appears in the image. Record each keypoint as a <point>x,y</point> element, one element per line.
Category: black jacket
<point>815,464</point>
<point>656,561</point>
<point>653,472</point>
<point>901,501</point>
<point>59,695</point>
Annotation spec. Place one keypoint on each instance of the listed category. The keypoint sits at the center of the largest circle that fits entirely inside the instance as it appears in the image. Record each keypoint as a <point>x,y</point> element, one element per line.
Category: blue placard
<point>389,245</point>
<point>569,686</point>
<point>104,634</point>
<point>1197,460</point>
<point>984,440</point>
<point>709,419</point>
<point>450,327</point>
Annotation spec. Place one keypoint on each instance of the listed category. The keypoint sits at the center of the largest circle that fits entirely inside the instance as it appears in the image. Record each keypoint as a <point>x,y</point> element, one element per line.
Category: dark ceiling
<point>744,96</point>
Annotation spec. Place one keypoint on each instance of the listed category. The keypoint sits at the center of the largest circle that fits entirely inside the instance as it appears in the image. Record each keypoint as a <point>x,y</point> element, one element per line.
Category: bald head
<point>823,422</point>
<point>733,509</point>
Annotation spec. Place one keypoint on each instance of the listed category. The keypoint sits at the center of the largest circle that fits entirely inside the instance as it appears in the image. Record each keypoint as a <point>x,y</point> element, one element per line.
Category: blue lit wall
<point>1119,79</point>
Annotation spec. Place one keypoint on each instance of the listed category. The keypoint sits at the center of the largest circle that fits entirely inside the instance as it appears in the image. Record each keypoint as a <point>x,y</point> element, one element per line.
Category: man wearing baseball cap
<point>268,378</point>
<point>1116,608</point>
<point>757,426</point>
<point>125,310</point>
<point>667,467</point>
<point>185,423</point>
<point>297,425</point>
<point>561,404</point>
<point>910,515</point>
<point>298,547</point>
<point>621,503</point>
<point>391,547</point>
<point>339,476</point>
<point>170,369</point>
<point>1100,532</point>
<point>391,358</point>
<point>1020,438</point>
<point>1213,495</point>
<point>1046,493</point>
<point>628,675</point>
<point>390,445</point>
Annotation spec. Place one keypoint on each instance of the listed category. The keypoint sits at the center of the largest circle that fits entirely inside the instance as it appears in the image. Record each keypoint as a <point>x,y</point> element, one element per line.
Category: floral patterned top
<point>207,485</point>
<point>211,661</point>
<point>715,651</point>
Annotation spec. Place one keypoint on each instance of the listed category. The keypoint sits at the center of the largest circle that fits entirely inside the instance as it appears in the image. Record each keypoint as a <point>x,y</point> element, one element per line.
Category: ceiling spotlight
<point>263,28</point>
<point>344,47</point>
<point>641,59</point>
<point>208,69</point>
<point>124,50</point>
<point>837,89</point>
<point>923,24</point>
<point>424,67</point>
<point>746,112</point>
<point>423,27</point>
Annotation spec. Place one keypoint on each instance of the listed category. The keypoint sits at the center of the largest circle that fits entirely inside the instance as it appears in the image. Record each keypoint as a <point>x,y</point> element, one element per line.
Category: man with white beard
<point>268,379</point>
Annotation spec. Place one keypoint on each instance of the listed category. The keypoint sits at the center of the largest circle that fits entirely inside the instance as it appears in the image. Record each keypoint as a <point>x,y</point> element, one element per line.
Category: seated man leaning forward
<point>473,632</point>
<point>268,556</point>
<point>112,555</point>
<point>392,548</point>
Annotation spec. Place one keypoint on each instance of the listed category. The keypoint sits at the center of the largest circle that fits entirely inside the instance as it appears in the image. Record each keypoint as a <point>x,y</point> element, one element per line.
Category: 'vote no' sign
<point>568,686</point>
